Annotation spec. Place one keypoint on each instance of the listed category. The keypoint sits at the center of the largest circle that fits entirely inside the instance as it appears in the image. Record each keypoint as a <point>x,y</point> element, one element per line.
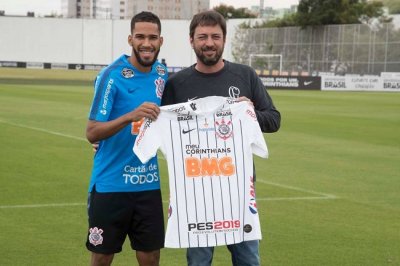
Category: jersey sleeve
<point>258,145</point>
<point>105,91</point>
<point>147,141</point>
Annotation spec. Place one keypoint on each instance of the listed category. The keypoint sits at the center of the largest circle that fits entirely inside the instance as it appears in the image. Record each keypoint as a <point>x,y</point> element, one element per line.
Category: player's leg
<point>148,258</point>
<point>101,259</point>
<point>108,224</point>
<point>199,256</point>
<point>147,227</point>
<point>245,253</point>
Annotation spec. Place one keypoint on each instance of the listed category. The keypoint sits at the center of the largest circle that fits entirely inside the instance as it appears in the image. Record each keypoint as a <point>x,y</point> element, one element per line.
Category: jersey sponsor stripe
<point>185,182</point>
<point>231,185</point>
<point>236,175</point>
<point>194,184</point>
<point>213,199</point>
<point>244,176</point>
<point>181,131</point>
<point>220,185</point>
<point>175,181</point>
<point>99,94</point>
<point>201,196</point>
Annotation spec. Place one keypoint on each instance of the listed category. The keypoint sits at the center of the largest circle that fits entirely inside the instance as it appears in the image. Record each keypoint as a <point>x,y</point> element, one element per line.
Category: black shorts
<point>114,215</point>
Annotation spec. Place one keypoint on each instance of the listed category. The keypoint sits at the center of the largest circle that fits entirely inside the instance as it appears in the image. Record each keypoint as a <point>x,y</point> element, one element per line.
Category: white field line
<point>44,130</point>
<point>41,205</point>
<point>47,205</point>
<point>319,195</point>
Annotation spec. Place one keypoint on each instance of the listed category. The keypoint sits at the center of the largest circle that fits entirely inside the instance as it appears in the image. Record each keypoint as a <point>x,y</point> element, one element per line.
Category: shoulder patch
<point>160,70</point>
<point>127,73</point>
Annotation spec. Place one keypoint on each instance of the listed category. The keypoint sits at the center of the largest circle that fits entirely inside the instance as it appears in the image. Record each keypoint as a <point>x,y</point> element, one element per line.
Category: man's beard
<point>145,63</point>
<point>208,61</point>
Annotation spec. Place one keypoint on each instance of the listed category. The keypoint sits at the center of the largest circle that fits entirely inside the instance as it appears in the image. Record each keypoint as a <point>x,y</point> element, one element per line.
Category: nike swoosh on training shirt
<point>187,131</point>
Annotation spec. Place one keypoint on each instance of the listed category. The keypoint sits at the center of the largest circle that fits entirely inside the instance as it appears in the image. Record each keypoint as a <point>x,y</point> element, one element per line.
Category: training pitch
<point>328,195</point>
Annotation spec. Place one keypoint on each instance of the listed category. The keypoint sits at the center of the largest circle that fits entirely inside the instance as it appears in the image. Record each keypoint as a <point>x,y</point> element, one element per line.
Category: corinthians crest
<point>223,129</point>
<point>95,237</point>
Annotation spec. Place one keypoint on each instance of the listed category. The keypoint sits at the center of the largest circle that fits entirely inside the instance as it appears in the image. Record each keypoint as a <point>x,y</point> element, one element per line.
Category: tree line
<point>322,12</point>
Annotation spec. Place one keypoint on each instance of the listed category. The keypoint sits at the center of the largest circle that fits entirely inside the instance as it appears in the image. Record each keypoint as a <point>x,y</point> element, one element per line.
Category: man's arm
<point>268,116</point>
<point>96,130</point>
<point>168,94</point>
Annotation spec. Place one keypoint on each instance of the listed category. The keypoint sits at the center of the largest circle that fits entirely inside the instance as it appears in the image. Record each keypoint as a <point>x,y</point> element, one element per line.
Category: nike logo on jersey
<point>187,131</point>
<point>192,99</point>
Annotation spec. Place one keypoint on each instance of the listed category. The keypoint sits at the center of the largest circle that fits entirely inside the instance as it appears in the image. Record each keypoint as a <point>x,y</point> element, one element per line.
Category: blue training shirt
<point>120,88</point>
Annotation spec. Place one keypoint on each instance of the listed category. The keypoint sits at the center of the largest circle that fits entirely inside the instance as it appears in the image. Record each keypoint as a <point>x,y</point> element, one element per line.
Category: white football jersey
<point>208,144</point>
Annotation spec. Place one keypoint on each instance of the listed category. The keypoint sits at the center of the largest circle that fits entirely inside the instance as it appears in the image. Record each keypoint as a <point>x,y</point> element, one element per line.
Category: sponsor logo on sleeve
<point>103,111</point>
<point>143,131</point>
<point>252,114</point>
<point>252,203</point>
<point>178,109</point>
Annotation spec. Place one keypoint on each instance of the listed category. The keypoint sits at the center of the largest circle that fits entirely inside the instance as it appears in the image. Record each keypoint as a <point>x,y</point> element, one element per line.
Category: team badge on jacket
<point>160,70</point>
<point>160,84</point>
<point>127,73</point>
<point>234,92</point>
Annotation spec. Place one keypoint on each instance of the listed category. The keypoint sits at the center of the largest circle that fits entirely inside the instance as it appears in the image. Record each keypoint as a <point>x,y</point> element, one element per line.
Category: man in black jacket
<point>212,75</point>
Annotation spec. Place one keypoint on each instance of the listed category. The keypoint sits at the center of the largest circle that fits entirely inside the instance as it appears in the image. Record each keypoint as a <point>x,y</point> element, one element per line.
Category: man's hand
<point>96,130</point>
<point>244,98</point>
<point>95,146</point>
<point>145,110</point>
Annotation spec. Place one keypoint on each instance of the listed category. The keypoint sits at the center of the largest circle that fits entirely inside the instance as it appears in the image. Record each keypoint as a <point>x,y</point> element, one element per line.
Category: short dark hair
<point>145,16</point>
<point>207,18</point>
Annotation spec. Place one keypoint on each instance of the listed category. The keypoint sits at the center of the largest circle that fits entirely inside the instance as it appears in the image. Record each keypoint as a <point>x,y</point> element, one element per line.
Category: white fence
<point>88,41</point>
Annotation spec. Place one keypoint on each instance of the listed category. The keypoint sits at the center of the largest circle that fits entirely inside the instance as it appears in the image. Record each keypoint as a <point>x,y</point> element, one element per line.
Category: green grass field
<point>328,195</point>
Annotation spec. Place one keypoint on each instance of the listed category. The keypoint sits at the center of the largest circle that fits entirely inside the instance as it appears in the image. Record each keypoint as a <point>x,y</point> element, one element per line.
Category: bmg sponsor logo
<point>195,167</point>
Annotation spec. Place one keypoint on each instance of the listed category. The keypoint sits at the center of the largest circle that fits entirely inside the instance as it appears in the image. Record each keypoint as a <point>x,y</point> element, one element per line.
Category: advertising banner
<point>291,82</point>
<point>360,83</point>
